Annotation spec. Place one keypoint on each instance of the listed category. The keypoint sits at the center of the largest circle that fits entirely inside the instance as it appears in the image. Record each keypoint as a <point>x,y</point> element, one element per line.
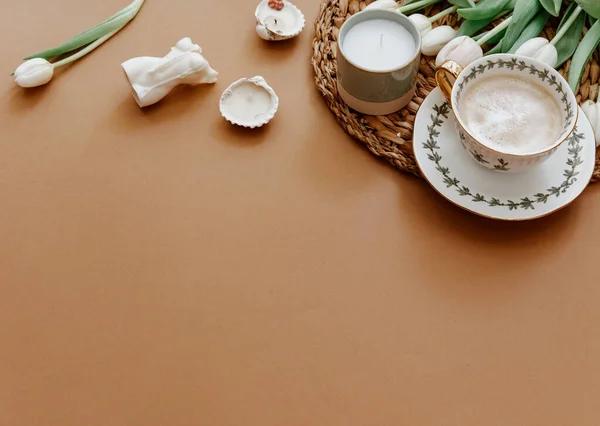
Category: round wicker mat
<point>390,136</point>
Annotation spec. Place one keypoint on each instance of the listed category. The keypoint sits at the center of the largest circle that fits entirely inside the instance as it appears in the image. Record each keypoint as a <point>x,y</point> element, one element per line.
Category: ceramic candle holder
<point>378,55</point>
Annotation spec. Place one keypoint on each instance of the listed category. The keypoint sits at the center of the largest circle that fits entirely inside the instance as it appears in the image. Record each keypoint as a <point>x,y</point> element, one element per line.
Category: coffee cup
<point>512,112</point>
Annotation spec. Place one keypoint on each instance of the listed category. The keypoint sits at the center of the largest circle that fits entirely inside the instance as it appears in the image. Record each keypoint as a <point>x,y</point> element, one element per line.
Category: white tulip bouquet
<point>517,33</point>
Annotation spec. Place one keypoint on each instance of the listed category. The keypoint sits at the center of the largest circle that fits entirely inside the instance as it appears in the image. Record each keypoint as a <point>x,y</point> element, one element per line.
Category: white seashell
<point>463,50</point>
<point>436,39</point>
<point>276,25</point>
<point>249,102</point>
<point>422,22</point>
<point>383,4</point>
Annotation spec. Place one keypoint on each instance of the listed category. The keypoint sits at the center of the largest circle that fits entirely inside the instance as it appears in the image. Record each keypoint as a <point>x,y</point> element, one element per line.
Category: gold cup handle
<point>445,77</point>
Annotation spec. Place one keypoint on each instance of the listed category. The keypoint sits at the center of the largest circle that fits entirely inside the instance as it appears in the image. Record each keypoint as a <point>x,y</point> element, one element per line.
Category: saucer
<point>534,193</point>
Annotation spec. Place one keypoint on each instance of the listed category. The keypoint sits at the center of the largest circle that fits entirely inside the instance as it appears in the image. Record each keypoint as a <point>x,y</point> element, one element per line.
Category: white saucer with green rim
<point>534,193</point>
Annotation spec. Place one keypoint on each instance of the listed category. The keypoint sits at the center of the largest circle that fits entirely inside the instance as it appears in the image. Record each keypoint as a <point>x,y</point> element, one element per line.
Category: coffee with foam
<point>511,114</point>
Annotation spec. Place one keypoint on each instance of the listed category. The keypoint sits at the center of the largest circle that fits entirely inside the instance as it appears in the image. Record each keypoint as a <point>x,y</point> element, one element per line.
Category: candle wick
<point>381,41</point>
<point>275,19</point>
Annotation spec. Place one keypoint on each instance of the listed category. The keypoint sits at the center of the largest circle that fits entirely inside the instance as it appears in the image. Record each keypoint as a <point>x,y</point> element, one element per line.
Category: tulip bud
<point>34,72</point>
<point>590,108</point>
<point>436,39</point>
<point>531,46</point>
<point>539,48</point>
<point>383,4</point>
<point>463,50</point>
<point>422,23</point>
<point>596,126</point>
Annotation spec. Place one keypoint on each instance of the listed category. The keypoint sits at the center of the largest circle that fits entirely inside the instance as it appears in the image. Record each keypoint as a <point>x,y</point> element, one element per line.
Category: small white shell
<point>277,25</point>
<point>235,99</point>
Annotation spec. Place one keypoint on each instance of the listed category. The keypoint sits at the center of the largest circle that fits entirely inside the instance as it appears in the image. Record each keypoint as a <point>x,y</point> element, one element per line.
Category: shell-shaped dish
<point>278,20</point>
<point>249,102</point>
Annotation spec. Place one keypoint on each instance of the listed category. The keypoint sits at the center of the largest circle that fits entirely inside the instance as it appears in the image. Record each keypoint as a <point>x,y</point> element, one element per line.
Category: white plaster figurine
<point>153,78</point>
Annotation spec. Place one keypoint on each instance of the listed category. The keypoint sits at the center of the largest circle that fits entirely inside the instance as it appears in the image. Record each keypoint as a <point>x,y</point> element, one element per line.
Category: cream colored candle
<point>378,61</point>
<point>379,45</point>
<point>249,102</point>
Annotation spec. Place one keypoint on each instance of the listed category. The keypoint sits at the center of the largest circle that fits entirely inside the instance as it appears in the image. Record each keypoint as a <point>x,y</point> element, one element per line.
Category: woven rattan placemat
<point>390,136</point>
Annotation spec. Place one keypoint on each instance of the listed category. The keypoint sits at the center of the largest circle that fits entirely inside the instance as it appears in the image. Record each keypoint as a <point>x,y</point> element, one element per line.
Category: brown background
<point>160,267</point>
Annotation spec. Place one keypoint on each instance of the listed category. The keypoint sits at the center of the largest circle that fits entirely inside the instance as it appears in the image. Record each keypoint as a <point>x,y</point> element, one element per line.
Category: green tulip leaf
<point>485,9</point>
<point>570,40</point>
<point>494,50</point>
<point>532,30</point>
<point>583,54</point>
<point>591,7</point>
<point>523,14</point>
<point>118,20</point>
<point>552,6</point>
<point>460,3</point>
<point>497,38</point>
<point>468,28</point>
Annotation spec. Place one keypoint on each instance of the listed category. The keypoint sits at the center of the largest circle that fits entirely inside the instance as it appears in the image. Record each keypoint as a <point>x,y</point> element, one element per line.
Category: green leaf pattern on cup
<point>502,165</point>
<point>574,161</point>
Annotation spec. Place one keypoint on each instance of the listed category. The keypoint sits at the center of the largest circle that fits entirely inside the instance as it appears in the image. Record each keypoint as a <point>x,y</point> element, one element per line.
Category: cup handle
<point>445,77</point>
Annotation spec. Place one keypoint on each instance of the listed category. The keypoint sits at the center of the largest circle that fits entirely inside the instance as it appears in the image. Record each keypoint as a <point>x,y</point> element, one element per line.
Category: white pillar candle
<point>378,57</point>
<point>379,45</point>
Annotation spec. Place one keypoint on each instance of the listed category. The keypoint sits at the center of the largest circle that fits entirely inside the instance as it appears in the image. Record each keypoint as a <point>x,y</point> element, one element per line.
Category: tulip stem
<point>418,5</point>
<point>566,26</point>
<point>129,13</point>
<point>85,51</point>
<point>489,35</point>
<point>89,36</point>
<point>443,13</point>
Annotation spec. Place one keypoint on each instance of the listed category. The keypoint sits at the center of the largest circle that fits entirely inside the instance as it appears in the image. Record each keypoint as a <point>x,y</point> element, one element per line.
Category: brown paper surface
<point>162,267</point>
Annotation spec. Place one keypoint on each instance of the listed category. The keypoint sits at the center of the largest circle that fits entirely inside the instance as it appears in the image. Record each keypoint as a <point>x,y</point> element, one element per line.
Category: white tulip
<point>34,72</point>
<point>596,125</point>
<point>547,54</point>
<point>436,39</point>
<point>383,4</point>
<point>592,112</point>
<point>38,71</point>
<point>463,50</point>
<point>422,22</point>
<point>541,49</point>
<point>531,46</point>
